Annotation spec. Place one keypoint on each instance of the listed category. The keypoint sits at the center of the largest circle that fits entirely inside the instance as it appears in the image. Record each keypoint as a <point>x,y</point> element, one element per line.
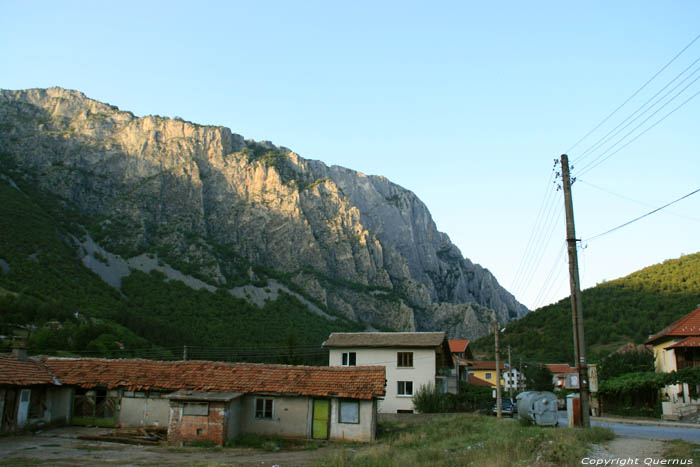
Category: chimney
<point>19,352</point>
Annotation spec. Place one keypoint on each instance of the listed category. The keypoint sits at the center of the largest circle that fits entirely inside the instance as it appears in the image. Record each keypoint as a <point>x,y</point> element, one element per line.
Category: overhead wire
<point>642,216</point>
<point>612,133</point>
<point>634,94</point>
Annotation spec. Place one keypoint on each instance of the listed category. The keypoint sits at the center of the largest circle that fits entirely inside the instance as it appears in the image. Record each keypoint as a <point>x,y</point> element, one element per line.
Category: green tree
<point>538,377</point>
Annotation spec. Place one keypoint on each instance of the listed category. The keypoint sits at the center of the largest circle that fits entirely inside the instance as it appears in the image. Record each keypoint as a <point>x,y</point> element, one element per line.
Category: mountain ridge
<point>214,205</point>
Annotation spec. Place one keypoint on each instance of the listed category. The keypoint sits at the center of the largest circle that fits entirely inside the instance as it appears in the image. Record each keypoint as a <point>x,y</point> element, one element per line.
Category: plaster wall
<point>364,431</point>
<point>421,373</point>
<point>290,417</point>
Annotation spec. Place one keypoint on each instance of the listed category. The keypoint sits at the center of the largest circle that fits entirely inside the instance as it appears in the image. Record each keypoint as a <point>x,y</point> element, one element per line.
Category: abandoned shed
<point>277,400</point>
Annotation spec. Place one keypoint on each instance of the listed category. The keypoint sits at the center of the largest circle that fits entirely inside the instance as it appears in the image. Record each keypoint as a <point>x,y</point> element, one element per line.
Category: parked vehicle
<point>508,407</point>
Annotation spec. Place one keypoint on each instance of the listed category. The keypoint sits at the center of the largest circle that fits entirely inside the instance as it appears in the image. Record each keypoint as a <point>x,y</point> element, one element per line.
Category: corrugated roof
<point>689,325</point>
<point>458,345</point>
<point>205,376</point>
<point>693,341</point>
<point>23,372</point>
<point>385,339</point>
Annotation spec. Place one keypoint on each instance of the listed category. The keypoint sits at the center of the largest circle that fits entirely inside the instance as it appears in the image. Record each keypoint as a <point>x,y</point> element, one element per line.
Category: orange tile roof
<point>471,379</point>
<point>458,345</point>
<point>689,325</point>
<point>560,368</point>
<point>351,382</point>
<point>23,372</point>
<point>693,341</point>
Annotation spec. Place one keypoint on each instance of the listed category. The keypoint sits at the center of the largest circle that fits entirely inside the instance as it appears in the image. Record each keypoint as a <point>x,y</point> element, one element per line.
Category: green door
<point>321,413</point>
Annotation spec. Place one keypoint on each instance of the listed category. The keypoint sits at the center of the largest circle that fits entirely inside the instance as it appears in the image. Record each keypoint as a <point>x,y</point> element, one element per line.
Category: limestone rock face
<point>215,205</point>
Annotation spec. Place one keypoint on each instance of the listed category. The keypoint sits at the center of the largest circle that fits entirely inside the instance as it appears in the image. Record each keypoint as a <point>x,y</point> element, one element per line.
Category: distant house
<point>196,400</point>
<point>29,394</point>
<point>412,360</point>
<point>676,347</point>
<point>559,373</point>
<point>461,351</point>
<point>486,371</point>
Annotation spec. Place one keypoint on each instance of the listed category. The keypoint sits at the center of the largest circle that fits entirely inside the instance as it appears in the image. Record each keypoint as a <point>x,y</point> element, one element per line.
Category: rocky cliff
<point>236,214</point>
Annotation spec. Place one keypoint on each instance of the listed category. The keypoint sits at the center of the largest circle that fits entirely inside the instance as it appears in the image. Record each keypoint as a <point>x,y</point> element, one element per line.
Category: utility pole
<point>576,300</point>
<point>498,369</point>
<point>510,376</point>
<point>184,353</point>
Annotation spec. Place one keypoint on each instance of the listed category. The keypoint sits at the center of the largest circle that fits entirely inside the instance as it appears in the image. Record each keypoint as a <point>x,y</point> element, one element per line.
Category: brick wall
<point>188,428</point>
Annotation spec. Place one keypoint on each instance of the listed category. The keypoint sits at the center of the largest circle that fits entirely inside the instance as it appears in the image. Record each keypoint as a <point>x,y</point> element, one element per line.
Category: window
<point>405,359</point>
<point>488,376</point>
<point>349,412</point>
<point>404,388</point>
<point>263,408</point>
<point>196,408</point>
<point>349,358</point>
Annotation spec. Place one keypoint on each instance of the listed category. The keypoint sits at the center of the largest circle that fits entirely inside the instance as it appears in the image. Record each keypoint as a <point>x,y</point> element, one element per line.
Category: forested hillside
<point>624,310</point>
<point>59,306</point>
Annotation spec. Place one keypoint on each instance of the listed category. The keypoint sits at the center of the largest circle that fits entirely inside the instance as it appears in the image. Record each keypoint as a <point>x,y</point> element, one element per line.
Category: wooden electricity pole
<point>498,369</point>
<point>576,301</point>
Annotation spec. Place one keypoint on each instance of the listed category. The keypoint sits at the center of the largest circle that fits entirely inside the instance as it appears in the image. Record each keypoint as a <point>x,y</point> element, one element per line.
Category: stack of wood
<point>151,435</point>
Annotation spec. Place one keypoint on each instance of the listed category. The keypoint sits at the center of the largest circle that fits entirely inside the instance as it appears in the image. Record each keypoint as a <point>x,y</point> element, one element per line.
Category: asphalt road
<point>657,431</point>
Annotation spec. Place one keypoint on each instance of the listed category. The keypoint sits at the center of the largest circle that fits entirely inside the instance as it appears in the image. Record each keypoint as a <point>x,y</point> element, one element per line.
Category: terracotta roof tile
<point>483,365</point>
<point>351,382</point>
<point>560,368</point>
<point>385,339</point>
<point>693,341</point>
<point>23,372</point>
<point>458,345</point>
<point>471,379</point>
<point>689,325</point>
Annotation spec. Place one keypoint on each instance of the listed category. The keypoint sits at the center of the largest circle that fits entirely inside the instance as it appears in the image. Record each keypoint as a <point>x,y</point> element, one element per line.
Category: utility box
<point>539,407</point>
<point>573,410</point>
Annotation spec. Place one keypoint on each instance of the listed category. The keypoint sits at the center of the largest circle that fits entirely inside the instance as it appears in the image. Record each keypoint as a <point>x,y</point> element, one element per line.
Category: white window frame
<point>348,402</point>
<point>262,414</point>
<point>404,388</point>
<point>348,359</point>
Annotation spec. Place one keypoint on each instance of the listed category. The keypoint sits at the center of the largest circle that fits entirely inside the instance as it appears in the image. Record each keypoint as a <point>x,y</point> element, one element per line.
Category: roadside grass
<point>19,462</point>
<point>680,449</point>
<point>471,440</point>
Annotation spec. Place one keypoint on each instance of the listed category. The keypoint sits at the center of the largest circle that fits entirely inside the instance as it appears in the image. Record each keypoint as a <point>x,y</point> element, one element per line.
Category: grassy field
<point>471,440</point>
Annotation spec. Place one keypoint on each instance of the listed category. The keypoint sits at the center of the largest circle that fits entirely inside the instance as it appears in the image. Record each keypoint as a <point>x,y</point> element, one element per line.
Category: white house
<point>411,359</point>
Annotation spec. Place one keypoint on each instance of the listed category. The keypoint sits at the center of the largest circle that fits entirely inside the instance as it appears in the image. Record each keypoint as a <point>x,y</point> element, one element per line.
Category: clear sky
<point>465,103</point>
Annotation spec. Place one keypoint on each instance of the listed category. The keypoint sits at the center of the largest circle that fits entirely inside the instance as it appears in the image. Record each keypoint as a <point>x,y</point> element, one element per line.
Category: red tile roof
<point>693,341</point>
<point>689,325</point>
<point>458,345</point>
<point>483,365</point>
<point>560,368</point>
<point>471,379</point>
<point>351,382</point>
<point>23,372</point>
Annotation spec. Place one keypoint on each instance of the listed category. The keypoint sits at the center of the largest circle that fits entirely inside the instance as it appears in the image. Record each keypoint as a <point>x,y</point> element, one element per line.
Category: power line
<point>612,133</point>
<point>627,198</point>
<point>642,216</point>
<point>590,167</point>
<point>568,151</point>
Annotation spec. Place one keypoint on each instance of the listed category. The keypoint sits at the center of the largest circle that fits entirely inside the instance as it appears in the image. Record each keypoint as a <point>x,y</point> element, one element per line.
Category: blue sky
<point>467,104</point>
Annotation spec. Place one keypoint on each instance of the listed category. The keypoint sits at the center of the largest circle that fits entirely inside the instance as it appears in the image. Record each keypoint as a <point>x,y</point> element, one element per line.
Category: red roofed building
<point>676,347</point>
<point>29,394</point>
<point>215,401</point>
<point>559,372</point>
